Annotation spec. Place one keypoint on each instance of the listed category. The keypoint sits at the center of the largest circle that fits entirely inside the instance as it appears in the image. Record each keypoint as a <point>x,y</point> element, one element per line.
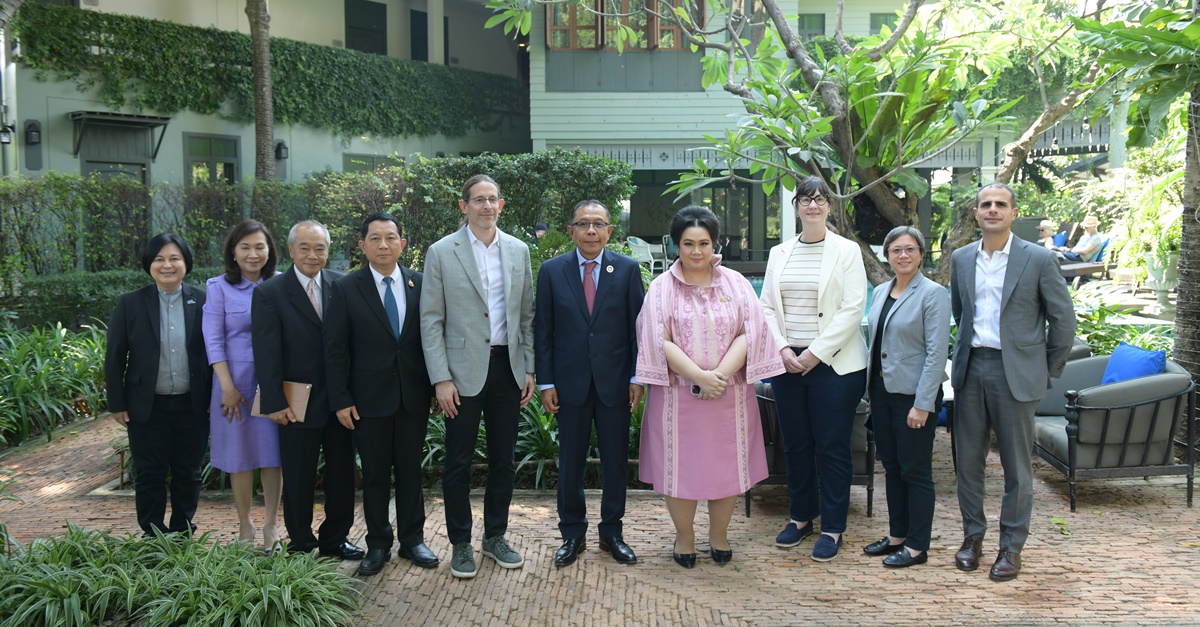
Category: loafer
<point>686,560</point>
<point>904,559</point>
<point>967,557</point>
<point>826,548</point>
<point>882,547</point>
<point>793,535</point>
<point>419,555</point>
<point>374,561</point>
<point>344,551</point>
<point>1008,564</point>
<point>619,550</point>
<point>569,551</point>
<point>721,557</point>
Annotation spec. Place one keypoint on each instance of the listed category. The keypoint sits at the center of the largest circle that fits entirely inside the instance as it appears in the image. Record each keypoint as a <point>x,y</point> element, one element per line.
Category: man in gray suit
<point>1015,328</point>
<point>477,335</point>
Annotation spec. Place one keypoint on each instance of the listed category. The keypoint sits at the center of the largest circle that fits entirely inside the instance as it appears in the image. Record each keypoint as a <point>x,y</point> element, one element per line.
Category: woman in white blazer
<point>909,327</point>
<point>814,294</point>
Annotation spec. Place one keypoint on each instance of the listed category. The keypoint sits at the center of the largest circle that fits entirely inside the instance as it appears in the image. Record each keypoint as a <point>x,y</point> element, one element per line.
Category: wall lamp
<point>281,151</point>
<point>33,133</point>
<point>6,134</point>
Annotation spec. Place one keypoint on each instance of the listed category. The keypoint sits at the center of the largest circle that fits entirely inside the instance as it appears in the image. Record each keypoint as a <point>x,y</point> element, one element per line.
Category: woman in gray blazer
<point>909,327</point>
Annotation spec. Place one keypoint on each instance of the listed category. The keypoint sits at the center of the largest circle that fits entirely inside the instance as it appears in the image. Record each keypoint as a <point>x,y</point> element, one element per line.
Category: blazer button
<point>485,314</point>
<point>820,315</point>
<point>883,356</point>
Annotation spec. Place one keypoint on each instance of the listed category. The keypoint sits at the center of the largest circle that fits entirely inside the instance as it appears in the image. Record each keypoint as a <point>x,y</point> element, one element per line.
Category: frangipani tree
<point>865,117</point>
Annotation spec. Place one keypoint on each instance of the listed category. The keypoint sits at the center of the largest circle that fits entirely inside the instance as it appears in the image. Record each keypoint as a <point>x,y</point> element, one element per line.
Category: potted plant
<point>1149,241</point>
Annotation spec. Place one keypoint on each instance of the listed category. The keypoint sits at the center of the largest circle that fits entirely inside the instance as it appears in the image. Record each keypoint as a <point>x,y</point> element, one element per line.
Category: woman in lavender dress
<point>702,342</point>
<point>241,443</point>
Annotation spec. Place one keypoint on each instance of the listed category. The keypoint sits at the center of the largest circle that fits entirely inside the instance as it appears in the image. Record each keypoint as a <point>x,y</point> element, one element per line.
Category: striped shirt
<point>798,283</point>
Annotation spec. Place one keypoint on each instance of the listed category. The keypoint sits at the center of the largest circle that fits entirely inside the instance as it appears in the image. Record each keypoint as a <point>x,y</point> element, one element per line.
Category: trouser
<point>391,448</point>
<point>907,456</point>
<point>171,442</point>
<point>985,403</point>
<point>499,403</point>
<point>574,437</point>
<point>300,450</point>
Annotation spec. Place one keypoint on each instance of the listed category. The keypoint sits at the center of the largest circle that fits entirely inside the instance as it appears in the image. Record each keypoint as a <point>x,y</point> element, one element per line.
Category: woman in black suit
<point>158,379</point>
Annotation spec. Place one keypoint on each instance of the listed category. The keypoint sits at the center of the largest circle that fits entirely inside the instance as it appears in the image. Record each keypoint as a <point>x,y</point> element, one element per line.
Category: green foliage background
<point>153,65</point>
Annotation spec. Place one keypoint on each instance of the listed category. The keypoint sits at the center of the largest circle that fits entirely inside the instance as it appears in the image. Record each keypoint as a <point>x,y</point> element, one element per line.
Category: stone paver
<point>1131,557</point>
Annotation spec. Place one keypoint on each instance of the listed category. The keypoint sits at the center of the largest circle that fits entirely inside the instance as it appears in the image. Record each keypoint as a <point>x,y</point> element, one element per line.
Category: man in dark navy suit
<point>286,327</point>
<point>585,331</point>
<point>380,389</point>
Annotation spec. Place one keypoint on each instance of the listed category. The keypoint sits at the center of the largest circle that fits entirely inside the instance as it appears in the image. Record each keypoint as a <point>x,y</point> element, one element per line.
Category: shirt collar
<point>304,278</point>
<point>1006,250</point>
<point>176,292</point>
<point>471,234</point>
<point>580,259</point>
<point>379,277</point>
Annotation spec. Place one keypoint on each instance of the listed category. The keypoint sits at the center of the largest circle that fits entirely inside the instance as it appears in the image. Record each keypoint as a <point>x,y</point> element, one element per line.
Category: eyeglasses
<point>805,201</point>
<point>584,225</point>
<point>480,201</point>
<point>907,250</point>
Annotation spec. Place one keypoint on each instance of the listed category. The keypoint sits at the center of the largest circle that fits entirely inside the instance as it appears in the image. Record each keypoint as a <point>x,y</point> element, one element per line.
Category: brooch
<point>609,269</point>
<point>410,283</point>
<point>725,299</point>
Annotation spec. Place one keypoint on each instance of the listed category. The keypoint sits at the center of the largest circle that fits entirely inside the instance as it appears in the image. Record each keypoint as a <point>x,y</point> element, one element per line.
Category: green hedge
<point>165,67</point>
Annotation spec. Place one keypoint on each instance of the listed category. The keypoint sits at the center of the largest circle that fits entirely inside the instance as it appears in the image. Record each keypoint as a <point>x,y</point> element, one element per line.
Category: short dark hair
<point>381,216</point>
<point>901,231</point>
<point>811,186</point>
<point>591,202</point>
<point>694,215</point>
<point>239,232</point>
<point>477,179</point>
<point>1012,196</point>
<point>156,244</point>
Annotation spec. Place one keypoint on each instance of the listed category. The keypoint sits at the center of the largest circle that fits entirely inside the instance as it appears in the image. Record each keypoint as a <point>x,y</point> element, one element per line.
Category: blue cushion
<point>1060,239</point>
<point>1131,362</point>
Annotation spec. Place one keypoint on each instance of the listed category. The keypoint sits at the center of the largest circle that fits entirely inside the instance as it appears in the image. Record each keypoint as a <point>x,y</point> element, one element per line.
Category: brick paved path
<point>1131,558</point>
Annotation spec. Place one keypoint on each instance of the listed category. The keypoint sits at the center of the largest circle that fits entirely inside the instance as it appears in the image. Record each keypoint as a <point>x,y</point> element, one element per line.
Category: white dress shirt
<point>491,272</point>
<point>397,289</point>
<point>304,281</point>
<point>989,290</point>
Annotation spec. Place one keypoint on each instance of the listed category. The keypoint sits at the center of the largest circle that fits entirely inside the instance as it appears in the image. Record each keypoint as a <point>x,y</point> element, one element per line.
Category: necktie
<point>312,296</point>
<point>589,285</point>
<point>389,305</point>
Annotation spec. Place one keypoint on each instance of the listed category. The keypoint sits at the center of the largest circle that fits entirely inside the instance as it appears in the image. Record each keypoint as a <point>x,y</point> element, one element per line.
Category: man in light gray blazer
<point>1015,328</point>
<point>477,335</point>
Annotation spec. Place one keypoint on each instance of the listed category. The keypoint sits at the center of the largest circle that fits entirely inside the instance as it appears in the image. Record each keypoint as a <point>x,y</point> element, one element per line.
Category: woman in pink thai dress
<point>702,342</point>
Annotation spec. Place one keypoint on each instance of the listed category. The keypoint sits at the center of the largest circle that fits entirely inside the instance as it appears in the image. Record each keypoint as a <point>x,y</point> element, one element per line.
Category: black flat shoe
<point>722,557</point>
<point>902,559</point>
<point>373,562</point>
<point>419,555</point>
<point>620,551</point>
<point>882,548</point>
<point>686,560</point>
<point>569,551</point>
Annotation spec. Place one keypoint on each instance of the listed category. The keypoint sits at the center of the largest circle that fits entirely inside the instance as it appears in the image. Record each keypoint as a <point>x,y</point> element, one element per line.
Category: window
<point>811,25</point>
<point>369,163</point>
<point>211,158</point>
<point>571,27</point>
<point>879,20</point>
<point>366,26</point>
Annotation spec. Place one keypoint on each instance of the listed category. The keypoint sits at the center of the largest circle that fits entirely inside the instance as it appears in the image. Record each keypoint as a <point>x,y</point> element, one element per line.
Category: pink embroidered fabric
<point>690,448</point>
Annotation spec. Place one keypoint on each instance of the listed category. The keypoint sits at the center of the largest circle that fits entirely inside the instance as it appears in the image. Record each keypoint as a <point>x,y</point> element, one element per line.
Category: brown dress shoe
<point>1008,564</point>
<point>967,557</point>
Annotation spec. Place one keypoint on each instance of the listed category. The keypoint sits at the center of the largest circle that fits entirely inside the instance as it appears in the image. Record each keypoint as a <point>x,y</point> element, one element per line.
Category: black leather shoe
<point>967,557</point>
<point>903,559</point>
<point>1008,564</point>
<point>373,562</point>
<point>686,560</point>
<point>721,557</point>
<point>569,551</point>
<point>343,551</point>
<point>882,548</point>
<point>420,555</point>
<point>620,551</point>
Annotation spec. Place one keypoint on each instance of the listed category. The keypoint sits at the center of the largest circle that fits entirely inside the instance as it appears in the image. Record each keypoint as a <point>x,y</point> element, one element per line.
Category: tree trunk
<point>264,112</point>
<point>1187,312</point>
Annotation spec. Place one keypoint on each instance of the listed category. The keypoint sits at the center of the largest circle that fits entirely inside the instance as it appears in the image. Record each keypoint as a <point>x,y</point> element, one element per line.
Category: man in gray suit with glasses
<point>1015,328</point>
<point>477,334</point>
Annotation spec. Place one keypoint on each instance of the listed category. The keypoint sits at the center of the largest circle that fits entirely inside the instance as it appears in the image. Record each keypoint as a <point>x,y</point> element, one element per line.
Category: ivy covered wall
<point>164,68</point>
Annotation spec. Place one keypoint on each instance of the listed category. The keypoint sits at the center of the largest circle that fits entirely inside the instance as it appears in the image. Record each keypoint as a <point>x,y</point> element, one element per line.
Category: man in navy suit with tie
<point>585,331</point>
<point>380,389</point>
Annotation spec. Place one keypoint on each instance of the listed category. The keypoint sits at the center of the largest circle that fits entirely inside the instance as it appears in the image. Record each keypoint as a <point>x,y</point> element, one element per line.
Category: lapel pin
<point>191,302</point>
<point>609,269</point>
<point>411,284</point>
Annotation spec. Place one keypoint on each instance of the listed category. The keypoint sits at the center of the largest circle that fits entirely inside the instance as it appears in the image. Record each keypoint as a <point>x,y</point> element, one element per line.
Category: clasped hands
<point>712,384</point>
<point>800,364</point>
